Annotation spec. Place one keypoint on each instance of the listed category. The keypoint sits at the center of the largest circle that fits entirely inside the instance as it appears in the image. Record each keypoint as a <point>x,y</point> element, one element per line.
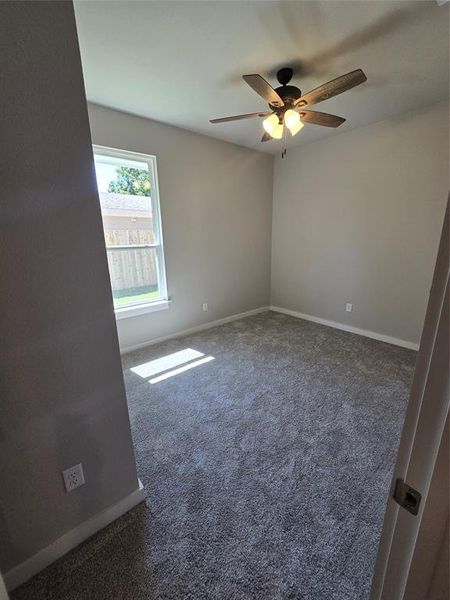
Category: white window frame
<point>161,303</point>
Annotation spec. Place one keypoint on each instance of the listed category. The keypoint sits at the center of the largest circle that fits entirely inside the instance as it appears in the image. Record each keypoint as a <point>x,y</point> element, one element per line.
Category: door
<point>423,429</point>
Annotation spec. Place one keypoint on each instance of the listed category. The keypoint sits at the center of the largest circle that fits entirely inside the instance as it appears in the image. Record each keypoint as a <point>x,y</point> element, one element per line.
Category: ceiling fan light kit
<point>287,104</point>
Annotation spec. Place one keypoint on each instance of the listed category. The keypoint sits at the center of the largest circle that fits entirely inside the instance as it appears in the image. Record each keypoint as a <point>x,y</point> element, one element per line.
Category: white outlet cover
<point>73,477</point>
<point>205,307</point>
<point>349,307</point>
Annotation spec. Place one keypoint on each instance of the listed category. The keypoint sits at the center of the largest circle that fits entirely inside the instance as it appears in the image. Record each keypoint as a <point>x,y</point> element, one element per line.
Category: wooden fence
<point>131,266</point>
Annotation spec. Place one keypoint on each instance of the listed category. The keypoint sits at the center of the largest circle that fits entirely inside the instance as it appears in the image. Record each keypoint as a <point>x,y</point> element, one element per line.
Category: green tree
<point>130,181</point>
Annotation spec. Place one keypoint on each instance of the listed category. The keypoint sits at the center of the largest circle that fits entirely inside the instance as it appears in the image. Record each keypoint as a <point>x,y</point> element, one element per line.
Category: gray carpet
<point>266,470</point>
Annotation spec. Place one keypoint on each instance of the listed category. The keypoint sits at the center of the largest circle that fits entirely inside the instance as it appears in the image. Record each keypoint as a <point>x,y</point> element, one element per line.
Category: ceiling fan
<point>287,104</point>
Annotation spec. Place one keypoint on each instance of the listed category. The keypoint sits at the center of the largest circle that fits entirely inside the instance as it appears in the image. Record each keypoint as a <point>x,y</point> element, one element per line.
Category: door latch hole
<point>407,497</point>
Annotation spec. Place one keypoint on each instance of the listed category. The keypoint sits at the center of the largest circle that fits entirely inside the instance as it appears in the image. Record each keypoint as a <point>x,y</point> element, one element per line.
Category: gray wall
<point>61,387</point>
<point>357,218</point>
<point>216,203</point>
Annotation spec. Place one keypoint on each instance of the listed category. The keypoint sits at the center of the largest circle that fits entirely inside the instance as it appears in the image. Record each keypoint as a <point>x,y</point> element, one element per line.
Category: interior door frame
<point>3,592</point>
<point>424,424</point>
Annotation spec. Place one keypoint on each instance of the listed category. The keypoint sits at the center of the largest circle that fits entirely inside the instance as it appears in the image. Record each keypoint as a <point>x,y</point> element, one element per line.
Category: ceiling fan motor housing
<point>289,94</point>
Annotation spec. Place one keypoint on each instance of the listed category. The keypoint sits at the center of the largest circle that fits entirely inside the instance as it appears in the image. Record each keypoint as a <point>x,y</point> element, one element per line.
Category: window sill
<point>141,309</point>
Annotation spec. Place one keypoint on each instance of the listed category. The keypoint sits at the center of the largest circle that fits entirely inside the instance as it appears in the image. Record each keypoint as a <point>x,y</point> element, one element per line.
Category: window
<point>128,190</point>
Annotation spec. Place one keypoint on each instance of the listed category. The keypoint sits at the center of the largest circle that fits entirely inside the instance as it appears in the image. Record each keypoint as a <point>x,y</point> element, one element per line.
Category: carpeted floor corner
<point>266,470</point>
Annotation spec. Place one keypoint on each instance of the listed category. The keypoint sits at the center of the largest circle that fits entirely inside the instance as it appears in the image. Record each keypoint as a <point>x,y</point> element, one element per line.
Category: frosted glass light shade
<point>277,132</point>
<point>296,128</point>
<point>273,127</point>
<point>291,118</point>
<point>270,123</point>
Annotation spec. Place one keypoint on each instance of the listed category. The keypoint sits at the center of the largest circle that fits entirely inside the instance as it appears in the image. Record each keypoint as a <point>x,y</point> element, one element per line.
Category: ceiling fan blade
<point>320,118</point>
<point>239,117</point>
<point>266,137</point>
<point>332,88</point>
<point>264,89</point>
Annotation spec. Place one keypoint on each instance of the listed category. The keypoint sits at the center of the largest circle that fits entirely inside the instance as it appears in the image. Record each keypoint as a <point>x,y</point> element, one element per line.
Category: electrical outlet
<point>349,307</point>
<point>73,477</point>
<point>205,307</point>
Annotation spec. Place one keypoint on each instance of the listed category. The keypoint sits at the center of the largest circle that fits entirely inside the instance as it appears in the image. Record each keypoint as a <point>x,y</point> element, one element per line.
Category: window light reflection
<point>182,369</point>
<point>153,367</point>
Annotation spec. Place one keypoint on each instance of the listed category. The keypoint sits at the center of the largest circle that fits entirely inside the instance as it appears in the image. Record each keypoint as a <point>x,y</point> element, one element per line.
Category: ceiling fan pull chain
<point>283,152</point>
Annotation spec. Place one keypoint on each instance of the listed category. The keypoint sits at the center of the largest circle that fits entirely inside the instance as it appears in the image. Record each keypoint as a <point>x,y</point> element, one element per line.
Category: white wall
<point>357,218</point>
<point>216,203</point>
<point>61,387</point>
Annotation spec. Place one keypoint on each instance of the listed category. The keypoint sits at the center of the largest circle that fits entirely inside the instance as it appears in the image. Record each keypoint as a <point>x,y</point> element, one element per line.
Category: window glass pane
<point>134,275</point>
<point>130,228</point>
<point>125,198</point>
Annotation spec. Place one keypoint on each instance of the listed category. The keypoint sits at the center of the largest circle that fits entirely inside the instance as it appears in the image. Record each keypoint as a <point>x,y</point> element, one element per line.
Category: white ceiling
<point>181,62</point>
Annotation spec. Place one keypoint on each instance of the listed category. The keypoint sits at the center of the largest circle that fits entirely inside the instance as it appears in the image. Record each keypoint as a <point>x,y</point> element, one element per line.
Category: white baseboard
<point>370,334</point>
<point>71,539</point>
<point>195,329</point>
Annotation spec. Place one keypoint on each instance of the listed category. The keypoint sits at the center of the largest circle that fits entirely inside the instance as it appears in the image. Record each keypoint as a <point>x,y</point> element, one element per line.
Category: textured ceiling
<point>181,62</point>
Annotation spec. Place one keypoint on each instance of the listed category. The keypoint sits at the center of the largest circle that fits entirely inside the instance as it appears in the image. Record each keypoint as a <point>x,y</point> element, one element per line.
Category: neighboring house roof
<point>125,205</point>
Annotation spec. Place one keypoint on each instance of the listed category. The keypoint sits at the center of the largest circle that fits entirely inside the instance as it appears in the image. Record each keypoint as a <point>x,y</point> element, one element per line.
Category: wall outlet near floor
<point>205,307</point>
<point>73,477</point>
<point>349,307</point>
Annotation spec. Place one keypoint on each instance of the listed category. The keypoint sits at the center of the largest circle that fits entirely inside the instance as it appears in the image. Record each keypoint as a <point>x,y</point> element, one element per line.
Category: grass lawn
<point>120,302</point>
